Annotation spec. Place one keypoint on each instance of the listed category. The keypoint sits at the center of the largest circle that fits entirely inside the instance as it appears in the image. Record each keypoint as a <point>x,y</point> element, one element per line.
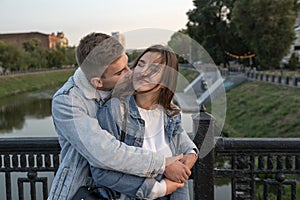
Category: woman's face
<point>148,72</point>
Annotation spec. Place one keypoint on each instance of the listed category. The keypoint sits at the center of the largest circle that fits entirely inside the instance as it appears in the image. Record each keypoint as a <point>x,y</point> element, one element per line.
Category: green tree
<point>32,45</point>
<point>55,58</point>
<point>62,56</point>
<point>181,44</point>
<point>33,56</point>
<point>69,53</point>
<point>11,57</point>
<point>267,27</point>
<point>37,55</point>
<point>210,25</point>
<point>293,62</point>
<point>133,55</point>
<point>187,49</point>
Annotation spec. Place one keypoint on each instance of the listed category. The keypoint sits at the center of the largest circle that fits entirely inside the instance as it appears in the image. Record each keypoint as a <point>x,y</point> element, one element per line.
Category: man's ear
<point>96,82</point>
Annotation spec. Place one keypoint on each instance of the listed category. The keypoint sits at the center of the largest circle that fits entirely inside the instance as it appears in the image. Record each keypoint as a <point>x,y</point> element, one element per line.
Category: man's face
<point>114,73</point>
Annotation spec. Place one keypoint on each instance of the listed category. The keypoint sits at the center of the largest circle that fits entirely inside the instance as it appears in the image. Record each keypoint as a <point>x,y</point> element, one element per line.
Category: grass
<point>257,109</point>
<point>16,84</point>
<point>185,77</point>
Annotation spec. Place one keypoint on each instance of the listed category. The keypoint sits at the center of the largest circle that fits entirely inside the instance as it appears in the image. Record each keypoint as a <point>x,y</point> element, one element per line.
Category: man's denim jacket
<point>82,141</point>
<point>110,118</point>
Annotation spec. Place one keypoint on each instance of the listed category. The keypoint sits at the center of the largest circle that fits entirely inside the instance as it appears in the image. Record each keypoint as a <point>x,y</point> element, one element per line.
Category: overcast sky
<point>77,18</point>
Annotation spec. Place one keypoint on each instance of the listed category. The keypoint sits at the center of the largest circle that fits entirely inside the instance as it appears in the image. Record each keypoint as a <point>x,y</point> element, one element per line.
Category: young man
<point>102,64</point>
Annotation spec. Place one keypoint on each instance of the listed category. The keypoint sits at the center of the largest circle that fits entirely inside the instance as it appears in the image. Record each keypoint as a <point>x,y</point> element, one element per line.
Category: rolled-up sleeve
<point>185,144</point>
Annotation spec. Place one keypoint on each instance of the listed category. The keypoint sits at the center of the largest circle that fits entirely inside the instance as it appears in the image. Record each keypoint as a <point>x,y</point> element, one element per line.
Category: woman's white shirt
<point>156,140</point>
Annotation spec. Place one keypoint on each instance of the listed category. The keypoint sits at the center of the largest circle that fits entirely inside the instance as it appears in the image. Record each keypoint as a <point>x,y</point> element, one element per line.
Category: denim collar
<point>84,85</point>
<point>133,108</point>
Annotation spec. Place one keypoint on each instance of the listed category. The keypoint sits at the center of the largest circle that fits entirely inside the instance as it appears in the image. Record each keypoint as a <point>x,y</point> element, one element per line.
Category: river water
<point>29,115</point>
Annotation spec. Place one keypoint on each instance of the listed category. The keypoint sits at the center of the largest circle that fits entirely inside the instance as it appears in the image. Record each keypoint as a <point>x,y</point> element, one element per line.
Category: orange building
<point>51,41</point>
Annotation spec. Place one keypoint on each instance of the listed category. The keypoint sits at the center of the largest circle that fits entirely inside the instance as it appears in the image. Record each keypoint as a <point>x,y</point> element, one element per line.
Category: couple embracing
<point>119,125</point>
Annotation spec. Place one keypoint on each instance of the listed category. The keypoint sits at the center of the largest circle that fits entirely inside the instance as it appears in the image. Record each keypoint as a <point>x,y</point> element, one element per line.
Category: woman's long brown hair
<point>169,63</point>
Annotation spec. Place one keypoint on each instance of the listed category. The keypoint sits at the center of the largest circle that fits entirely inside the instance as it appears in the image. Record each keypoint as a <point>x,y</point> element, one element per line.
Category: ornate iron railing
<point>255,167</point>
<point>31,156</point>
<point>266,162</point>
<point>266,165</point>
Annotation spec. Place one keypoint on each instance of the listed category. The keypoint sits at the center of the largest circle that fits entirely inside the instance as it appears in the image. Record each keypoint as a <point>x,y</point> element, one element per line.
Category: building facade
<point>47,41</point>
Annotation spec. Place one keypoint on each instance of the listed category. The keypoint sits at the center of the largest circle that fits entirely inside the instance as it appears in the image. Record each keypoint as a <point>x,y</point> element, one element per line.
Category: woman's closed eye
<point>154,68</point>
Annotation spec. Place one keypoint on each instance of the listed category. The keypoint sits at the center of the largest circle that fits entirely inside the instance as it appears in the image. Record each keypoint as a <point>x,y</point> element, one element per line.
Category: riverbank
<point>257,109</point>
<point>20,83</point>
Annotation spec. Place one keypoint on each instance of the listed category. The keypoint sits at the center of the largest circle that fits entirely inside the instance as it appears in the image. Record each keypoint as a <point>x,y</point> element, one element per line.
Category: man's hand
<point>170,160</point>
<point>172,186</point>
<point>189,160</point>
<point>176,171</point>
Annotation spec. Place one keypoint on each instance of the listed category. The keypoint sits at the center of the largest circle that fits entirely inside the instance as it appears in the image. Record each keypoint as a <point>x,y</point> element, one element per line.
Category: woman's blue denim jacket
<point>84,142</point>
<point>110,118</point>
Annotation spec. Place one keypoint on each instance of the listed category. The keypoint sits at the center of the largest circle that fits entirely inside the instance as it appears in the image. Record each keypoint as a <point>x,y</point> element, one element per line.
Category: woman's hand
<point>172,186</point>
<point>177,171</point>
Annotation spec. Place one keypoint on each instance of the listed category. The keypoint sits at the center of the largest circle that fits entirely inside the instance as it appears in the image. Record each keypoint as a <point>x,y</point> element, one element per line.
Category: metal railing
<point>255,165</point>
<point>256,168</point>
<point>30,156</point>
<point>259,162</point>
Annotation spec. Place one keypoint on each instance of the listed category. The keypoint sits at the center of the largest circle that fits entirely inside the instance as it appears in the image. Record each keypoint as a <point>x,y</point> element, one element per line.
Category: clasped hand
<point>178,168</point>
<point>177,171</point>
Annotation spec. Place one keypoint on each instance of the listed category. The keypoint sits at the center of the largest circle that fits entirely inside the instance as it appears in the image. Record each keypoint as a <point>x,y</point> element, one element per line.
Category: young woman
<point>144,116</point>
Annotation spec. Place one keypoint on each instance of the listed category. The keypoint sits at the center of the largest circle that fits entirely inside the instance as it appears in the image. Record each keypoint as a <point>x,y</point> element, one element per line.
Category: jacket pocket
<point>59,194</point>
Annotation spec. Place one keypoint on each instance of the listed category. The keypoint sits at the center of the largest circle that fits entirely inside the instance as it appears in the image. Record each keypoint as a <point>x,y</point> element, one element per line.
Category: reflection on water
<point>27,115</point>
<point>223,192</point>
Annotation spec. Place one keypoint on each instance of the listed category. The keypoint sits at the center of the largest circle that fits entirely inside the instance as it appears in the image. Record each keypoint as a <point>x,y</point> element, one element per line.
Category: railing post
<point>295,81</point>
<point>204,174</point>
<point>287,78</point>
<point>248,74</point>
<point>273,77</point>
<point>267,77</point>
<point>279,79</point>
